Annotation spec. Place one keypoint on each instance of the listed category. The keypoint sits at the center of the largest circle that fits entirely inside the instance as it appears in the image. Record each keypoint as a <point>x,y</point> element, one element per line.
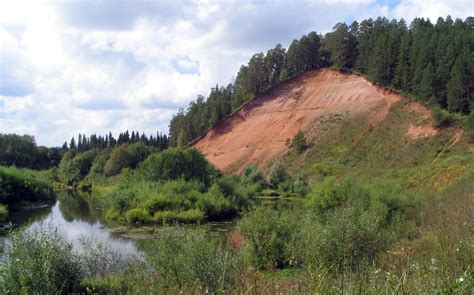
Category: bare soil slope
<point>259,131</point>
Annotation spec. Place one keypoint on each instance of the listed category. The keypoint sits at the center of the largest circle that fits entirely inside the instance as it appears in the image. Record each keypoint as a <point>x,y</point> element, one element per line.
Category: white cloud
<point>71,67</point>
<point>432,9</point>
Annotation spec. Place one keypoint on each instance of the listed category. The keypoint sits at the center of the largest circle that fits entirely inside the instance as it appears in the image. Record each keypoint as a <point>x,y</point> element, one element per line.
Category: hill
<point>342,115</point>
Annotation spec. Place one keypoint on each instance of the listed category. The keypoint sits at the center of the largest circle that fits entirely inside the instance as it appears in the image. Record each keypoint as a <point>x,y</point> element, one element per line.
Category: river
<point>77,219</point>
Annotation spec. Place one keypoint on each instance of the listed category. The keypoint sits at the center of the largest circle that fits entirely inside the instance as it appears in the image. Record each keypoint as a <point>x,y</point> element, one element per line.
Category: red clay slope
<point>258,132</point>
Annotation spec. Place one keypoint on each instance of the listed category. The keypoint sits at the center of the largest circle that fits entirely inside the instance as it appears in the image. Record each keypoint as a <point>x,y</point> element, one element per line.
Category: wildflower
<point>377,271</point>
<point>461,279</point>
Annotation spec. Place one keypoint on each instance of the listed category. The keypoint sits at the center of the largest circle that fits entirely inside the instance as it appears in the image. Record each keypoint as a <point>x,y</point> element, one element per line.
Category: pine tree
<point>401,78</point>
<point>457,88</point>
<point>72,144</point>
<point>425,89</point>
<point>292,59</point>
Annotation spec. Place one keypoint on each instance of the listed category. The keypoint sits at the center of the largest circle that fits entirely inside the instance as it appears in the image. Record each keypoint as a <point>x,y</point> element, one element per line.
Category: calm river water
<point>77,219</point>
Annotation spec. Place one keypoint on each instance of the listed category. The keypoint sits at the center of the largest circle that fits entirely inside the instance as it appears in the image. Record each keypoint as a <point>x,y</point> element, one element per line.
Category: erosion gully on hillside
<point>259,131</point>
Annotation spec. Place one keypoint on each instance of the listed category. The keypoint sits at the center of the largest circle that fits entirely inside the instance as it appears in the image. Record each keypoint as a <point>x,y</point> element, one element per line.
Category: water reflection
<point>77,219</point>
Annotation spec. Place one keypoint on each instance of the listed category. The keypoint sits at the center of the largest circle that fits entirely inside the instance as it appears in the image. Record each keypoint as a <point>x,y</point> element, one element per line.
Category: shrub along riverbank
<point>180,185</point>
<point>24,188</point>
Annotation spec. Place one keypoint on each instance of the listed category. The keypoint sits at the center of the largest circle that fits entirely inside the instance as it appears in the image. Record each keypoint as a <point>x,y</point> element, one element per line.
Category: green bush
<point>391,200</point>
<point>268,236</point>
<point>176,163</point>
<point>294,186</point>
<point>226,198</point>
<point>68,173</point>
<point>192,261</point>
<point>23,185</point>
<point>138,215</point>
<point>125,156</point>
<point>40,261</point>
<point>277,175</point>
<point>188,216</point>
<point>348,237</point>
<point>3,212</point>
<point>443,118</point>
<point>215,205</point>
<point>299,141</point>
<point>97,172</point>
<point>253,175</point>
<point>119,159</point>
<point>356,220</point>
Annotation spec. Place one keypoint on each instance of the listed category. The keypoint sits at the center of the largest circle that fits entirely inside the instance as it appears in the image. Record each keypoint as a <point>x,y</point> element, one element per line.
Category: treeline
<point>21,151</point>
<point>84,143</point>
<point>433,63</point>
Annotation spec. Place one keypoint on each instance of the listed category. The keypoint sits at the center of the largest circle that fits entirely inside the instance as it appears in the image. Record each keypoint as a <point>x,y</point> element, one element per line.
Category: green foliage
<point>22,151</point>
<point>459,86</point>
<point>252,175</point>
<point>137,215</point>
<point>342,45</point>
<point>40,260</point>
<point>349,223</point>
<point>75,166</point>
<point>3,212</point>
<point>97,173</point>
<point>443,118</point>
<point>299,141</point>
<point>23,185</point>
<point>190,261</point>
<point>175,163</point>
<point>125,156</point>
<point>348,237</point>
<point>268,234</point>
<point>183,201</point>
<point>188,216</point>
<point>277,175</point>
<point>390,200</point>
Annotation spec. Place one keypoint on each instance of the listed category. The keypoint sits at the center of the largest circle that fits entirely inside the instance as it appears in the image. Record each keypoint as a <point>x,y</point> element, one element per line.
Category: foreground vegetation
<point>347,236</point>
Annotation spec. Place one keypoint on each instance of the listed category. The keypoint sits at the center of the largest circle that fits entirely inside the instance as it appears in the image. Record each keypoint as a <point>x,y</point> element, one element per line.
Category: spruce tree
<point>425,91</point>
<point>457,88</point>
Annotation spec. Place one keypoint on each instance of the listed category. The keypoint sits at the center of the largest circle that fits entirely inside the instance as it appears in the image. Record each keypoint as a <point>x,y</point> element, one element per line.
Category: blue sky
<point>98,66</point>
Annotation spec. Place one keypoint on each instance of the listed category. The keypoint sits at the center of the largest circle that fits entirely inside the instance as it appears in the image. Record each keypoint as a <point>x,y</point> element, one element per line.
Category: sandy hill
<point>320,103</point>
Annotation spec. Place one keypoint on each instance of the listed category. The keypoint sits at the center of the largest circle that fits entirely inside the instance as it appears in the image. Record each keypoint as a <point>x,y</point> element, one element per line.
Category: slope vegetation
<point>260,130</point>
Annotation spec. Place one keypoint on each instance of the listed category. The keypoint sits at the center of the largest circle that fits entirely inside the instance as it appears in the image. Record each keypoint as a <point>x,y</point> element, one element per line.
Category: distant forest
<point>23,152</point>
<point>84,143</point>
<point>431,62</point>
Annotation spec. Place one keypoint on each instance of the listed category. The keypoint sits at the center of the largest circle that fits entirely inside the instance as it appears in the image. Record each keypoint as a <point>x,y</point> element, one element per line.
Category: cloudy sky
<point>97,66</point>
